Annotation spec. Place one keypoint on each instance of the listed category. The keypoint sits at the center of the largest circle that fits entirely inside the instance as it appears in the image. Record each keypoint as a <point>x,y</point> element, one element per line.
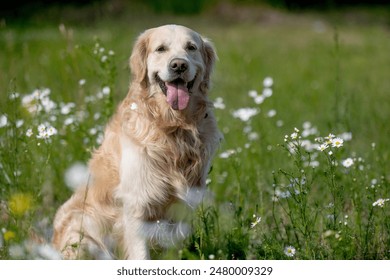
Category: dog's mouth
<point>177,92</point>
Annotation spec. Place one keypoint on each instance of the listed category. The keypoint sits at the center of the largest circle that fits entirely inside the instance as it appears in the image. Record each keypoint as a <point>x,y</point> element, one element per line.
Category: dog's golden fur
<point>154,151</point>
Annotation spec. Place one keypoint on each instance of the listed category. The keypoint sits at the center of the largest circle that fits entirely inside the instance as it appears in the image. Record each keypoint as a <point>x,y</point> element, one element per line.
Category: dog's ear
<point>138,58</point>
<point>209,56</point>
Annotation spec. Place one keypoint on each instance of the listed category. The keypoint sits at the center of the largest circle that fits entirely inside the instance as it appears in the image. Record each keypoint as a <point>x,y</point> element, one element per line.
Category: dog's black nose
<point>178,65</point>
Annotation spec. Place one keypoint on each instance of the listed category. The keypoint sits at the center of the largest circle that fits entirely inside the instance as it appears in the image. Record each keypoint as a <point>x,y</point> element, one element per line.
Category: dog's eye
<point>191,47</point>
<point>161,49</point>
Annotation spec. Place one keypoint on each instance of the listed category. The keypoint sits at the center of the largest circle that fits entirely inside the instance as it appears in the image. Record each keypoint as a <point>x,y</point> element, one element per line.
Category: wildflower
<point>280,194</point>
<point>3,121</point>
<point>306,125</point>
<point>268,82</point>
<point>257,221</point>
<point>381,202</point>
<point>279,123</point>
<point>227,153</point>
<point>211,256</point>
<point>252,136</point>
<point>51,131</point>
<point>96,116</point>
<point>133,106</point>
<point>100,138</point>
<point>38,100</point>
<point>267,92</point>
<point>346,136</point>
<point>48,104</point>
<point>66,108</point>
<point>347,162</point>
<point>76,176</point>
<point>69,121</point>
<point>19,123</point>
<point>14,96</point>
<point>41,128</point>
<point>93,131</point>
<point>46,132</point>
<point>247,129</point>
<point>323,147</point>
<point>106,90</point>
<point>245,114</point>
<point>294,135</point>
<point>104,58</point>
<point>314,164</point>
<point>111,52</point>
<point>259,99</point>
<point>328,233</point>
<point>218,103</point>
<point>20,203</point>
<point>8,235</point>
<point>330,217</point>
<point>271,113</point>
<point>308,129</point>
<point>29,132</point>
<point>330,136</point>
<point>289,251</point>
<point>337,142</point>
<point>253,93</point>
<point>82,82</point>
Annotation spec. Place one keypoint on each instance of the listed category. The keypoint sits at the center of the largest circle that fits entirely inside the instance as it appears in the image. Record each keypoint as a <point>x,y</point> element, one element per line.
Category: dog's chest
<point>154,175</point>
<point>183,152</point>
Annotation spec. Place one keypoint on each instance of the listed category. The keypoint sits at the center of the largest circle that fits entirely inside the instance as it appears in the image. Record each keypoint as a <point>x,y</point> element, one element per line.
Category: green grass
<point>336,79</point>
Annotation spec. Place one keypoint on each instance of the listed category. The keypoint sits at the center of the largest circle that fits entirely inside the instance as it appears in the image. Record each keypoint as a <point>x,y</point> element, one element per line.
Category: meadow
<point>301,98</point>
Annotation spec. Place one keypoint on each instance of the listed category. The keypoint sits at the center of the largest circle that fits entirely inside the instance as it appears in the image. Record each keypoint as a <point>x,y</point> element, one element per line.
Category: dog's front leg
<point>132,193</point>
<point>134,241</point>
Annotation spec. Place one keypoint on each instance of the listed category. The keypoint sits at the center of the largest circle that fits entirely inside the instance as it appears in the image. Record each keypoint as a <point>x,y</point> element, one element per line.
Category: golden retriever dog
<point>156,149</point>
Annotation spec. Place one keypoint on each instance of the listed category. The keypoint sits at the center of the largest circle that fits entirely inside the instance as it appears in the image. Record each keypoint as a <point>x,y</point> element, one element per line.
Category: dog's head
<point>174,61</point>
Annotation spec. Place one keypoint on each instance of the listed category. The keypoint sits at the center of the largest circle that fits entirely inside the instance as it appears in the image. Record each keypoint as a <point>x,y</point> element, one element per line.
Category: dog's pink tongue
<point>177,95</point>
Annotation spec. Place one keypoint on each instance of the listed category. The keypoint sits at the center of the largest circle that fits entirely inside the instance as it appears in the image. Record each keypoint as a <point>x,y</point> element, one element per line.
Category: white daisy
<point>268,82</point>
<point>245,114</point>
<point>289,251</point>
<point>294,135</point>
<point>347,162</point>
<point>257,220</point>
<point>271,113</point>
<point>218,103</point>
<point>381,202</point>
<point>29,132</point>
<point>337,142</point>
<point>3,121</point>
<point>323,147</point>
<point>106,90</point>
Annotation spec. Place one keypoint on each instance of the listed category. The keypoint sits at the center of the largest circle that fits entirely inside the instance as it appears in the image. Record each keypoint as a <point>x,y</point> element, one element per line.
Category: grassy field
<point>302,100</point>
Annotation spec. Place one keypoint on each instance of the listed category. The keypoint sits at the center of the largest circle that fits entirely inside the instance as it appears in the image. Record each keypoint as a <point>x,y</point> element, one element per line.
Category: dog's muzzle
<point>177,91</point>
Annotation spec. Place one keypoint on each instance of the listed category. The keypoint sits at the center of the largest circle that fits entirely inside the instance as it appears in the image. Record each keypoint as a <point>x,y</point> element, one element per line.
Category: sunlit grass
<point>277,192</point>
